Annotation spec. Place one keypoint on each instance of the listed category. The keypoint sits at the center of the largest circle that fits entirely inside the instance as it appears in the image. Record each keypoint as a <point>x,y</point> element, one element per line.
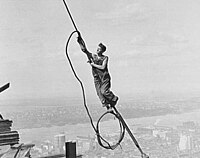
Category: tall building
<point>59,143</point>
<point>185,142</point>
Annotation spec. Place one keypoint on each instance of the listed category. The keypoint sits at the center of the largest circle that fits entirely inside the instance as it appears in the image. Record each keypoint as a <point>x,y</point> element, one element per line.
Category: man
<point>102,79</point>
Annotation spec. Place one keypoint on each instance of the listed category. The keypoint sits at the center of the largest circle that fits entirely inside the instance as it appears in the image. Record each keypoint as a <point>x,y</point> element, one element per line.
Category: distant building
<point>185,142</point>
<point>59,143</point>
<point>189,125</point>
<point>144,130</point>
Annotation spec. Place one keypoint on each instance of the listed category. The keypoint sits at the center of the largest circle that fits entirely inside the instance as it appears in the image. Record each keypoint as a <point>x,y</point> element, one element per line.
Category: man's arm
<point>103,66</point>
<point>83,47</point>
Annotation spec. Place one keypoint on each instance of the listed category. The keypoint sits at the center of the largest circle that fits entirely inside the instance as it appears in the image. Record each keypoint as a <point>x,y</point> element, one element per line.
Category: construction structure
<point>8,137</point>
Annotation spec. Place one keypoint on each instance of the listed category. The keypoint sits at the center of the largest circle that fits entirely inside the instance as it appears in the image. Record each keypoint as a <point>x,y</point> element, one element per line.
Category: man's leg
<point>97,84</point>
<point>107,93</point>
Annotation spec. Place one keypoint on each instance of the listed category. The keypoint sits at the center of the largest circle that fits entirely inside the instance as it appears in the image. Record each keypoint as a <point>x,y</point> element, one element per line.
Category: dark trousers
<point>104,93</point>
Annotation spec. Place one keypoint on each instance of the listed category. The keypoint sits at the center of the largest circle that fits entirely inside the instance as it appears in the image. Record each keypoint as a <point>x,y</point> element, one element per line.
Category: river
<point>72,131</point>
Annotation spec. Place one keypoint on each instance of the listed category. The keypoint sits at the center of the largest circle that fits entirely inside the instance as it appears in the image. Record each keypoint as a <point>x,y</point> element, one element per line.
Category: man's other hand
<point>79,40</point>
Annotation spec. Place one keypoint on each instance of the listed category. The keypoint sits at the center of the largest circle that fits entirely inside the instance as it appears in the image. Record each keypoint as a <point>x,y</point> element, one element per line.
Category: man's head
<point>101,48</point>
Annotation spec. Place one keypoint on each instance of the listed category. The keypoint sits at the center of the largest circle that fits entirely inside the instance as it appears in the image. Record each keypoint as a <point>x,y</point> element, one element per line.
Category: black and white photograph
<point>99,79</point>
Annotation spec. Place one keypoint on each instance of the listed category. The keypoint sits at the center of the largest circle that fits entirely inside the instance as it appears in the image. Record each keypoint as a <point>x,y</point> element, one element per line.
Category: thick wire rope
<point>99,137</point>
<point>122,130</point>
<point>117,115</point>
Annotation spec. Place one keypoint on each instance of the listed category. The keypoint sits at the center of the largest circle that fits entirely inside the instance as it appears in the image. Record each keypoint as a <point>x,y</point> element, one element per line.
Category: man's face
<point>98,50</point>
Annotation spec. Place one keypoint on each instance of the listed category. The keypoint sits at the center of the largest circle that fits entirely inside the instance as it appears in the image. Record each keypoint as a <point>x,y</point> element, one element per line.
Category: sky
<point>153,47</point>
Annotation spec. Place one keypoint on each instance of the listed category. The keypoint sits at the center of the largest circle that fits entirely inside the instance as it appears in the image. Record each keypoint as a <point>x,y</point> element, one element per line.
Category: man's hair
<point>103,47</point>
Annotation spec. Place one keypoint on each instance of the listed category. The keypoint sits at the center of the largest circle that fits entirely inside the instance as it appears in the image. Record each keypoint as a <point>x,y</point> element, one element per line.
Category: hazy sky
<point>153,46</point>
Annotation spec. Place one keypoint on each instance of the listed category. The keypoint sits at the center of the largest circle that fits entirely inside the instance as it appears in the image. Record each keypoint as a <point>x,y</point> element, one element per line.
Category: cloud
<point>171,38</point>
<point>136,10</point>
<point>159,39</point>
<point>156,45</point>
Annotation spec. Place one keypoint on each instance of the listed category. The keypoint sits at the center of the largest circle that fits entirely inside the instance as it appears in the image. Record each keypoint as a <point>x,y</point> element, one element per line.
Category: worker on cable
<point>102,79</point>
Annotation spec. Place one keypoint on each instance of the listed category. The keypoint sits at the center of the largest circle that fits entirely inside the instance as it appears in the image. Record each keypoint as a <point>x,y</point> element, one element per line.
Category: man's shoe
<point>114,102</point>
<point>109,109</point>
<point>106,105</point>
